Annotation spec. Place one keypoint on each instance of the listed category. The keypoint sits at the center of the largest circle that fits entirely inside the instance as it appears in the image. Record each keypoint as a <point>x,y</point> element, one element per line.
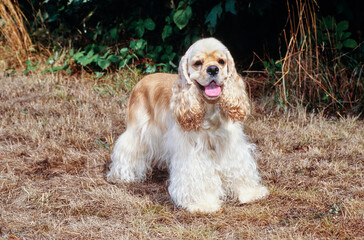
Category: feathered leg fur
<point>207,167</point>
<point>239,169</point>
<point>194,184</point>
<point>129,159</point>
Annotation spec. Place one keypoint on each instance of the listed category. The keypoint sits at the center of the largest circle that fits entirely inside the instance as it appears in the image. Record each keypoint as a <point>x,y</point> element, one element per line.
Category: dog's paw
<point>204,207</point>
<point>124,177</point>
<point>250,194</point>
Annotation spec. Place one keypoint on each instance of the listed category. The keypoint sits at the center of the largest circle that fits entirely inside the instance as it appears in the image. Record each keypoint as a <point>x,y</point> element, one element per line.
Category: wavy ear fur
<point>186,103</point>
<point>234,101</point>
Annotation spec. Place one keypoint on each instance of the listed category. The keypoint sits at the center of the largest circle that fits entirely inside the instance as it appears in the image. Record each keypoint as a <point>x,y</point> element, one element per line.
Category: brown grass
<point>12,27</point>
<point>55,134</point>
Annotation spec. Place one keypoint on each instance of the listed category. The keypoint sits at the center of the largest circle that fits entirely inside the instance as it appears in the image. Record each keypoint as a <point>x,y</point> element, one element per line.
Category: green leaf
<point>151,69</point>
<point>214,14</point>
<point>339,45</point>
<point>342,26</point>
<point>139,31</point>
<point>103,63</point>
<point>181,17</point>
<point>56,69</point>
<point>346,35</point>
<point>171,56</point>
<point>89,58</point>
<point>230,6</point>
<point>139,28</point>
<point>95,48</point>
<point>123,51</point>
<point>149,24</point>
<point>167,31</point>
<point>85,61</point>
<point>152,55</point>
<point>187,40</point>
<point>113,58</point>
<point>172,64</point>
<point>132,45</point>
<point>114,33</point>
<point>140,44</point>
<point>107,53</point>
<point>169,49</point>
<point>55,55</point>
<point>180,4</point>
<point>168,20</point>
<point>350,43</point>
<point>158,49</point>
<point>78,55</point>
<point>90,53</point>
<point>95,58</point>
<point>99,74</point>
<point>123,63</point>
<point>139,52</point>
<point>329,22</point>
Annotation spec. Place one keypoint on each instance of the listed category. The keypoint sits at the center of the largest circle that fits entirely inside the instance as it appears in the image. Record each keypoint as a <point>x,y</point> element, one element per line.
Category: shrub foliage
<point>148,34</point>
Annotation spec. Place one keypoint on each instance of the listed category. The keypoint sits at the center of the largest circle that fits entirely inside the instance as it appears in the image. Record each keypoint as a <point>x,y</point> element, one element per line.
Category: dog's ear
<point>183,69</point>
<point>231,70</point>
<point>186,104</point>
<point>234,100</point>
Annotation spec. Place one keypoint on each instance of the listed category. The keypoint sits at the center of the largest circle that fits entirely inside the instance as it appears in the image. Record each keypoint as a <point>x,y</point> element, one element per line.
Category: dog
<point>191,124</point>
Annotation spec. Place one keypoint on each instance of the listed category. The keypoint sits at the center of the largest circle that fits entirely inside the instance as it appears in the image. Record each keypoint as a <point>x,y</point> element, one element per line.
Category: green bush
<point>116,33</point>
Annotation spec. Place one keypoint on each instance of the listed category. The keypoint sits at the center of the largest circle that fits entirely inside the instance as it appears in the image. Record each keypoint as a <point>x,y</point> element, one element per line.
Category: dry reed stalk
<point>305,74</point>
<point>13,29</point>
<point>297,64</point>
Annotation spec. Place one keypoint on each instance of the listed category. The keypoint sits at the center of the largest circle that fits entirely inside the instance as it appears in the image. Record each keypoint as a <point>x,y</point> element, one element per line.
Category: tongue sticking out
<point>212,90</point>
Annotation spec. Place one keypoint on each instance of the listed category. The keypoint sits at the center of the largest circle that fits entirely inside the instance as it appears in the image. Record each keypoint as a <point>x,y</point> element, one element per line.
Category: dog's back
<point>150,98</point>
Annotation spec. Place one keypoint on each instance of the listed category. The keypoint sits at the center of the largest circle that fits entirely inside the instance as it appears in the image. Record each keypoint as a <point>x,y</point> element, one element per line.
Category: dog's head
<point>207,75</point>
<point>208,64</point>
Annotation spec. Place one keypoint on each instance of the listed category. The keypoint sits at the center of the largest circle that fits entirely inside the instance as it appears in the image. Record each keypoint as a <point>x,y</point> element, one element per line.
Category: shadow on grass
<point>155,187</point>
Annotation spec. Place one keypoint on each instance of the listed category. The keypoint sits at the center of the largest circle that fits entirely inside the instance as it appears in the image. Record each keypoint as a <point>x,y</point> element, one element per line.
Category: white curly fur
<point>174,124</point>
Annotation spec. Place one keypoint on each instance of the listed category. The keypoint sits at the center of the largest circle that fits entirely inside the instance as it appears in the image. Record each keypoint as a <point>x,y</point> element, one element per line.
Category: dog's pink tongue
<point>212,90</point>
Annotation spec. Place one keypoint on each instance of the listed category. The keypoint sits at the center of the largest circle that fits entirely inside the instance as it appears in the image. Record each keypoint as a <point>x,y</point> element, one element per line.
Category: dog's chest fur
<point>213,118</point>
<point>215,136</point>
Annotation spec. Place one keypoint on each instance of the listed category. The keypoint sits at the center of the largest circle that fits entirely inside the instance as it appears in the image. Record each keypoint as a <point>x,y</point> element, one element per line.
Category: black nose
<point>212,70</point>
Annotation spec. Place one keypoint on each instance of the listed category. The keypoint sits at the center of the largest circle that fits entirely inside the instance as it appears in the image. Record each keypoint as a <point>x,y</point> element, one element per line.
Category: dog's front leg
<point>194,185</point>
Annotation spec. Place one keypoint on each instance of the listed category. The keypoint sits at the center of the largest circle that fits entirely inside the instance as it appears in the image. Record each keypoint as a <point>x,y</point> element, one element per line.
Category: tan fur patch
<point>153,90</point>
<point>234,101</point>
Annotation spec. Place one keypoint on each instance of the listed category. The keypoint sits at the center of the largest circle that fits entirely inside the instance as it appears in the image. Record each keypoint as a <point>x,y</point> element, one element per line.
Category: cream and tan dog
<point>191,124</point>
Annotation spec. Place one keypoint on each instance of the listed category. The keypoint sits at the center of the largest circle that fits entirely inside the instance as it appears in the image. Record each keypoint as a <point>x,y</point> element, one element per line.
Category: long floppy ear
<point>234,101</point>
<point>186,104</point>
<point>183,69</point>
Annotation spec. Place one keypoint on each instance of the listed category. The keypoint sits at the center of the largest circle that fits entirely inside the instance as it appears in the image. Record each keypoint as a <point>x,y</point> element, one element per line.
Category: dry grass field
<point>55,139</point>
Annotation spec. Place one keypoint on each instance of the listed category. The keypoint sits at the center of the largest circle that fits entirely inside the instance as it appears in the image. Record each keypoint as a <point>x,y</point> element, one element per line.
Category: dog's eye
<point>222,62</point>
<point>197,63</point>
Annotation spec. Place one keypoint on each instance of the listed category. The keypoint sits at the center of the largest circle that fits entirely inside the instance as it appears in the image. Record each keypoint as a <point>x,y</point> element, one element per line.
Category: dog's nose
<point>212,70</point>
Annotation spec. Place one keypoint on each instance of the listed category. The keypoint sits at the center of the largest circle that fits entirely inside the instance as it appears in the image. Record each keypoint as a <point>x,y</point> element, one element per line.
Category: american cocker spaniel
<point>191,124</point>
